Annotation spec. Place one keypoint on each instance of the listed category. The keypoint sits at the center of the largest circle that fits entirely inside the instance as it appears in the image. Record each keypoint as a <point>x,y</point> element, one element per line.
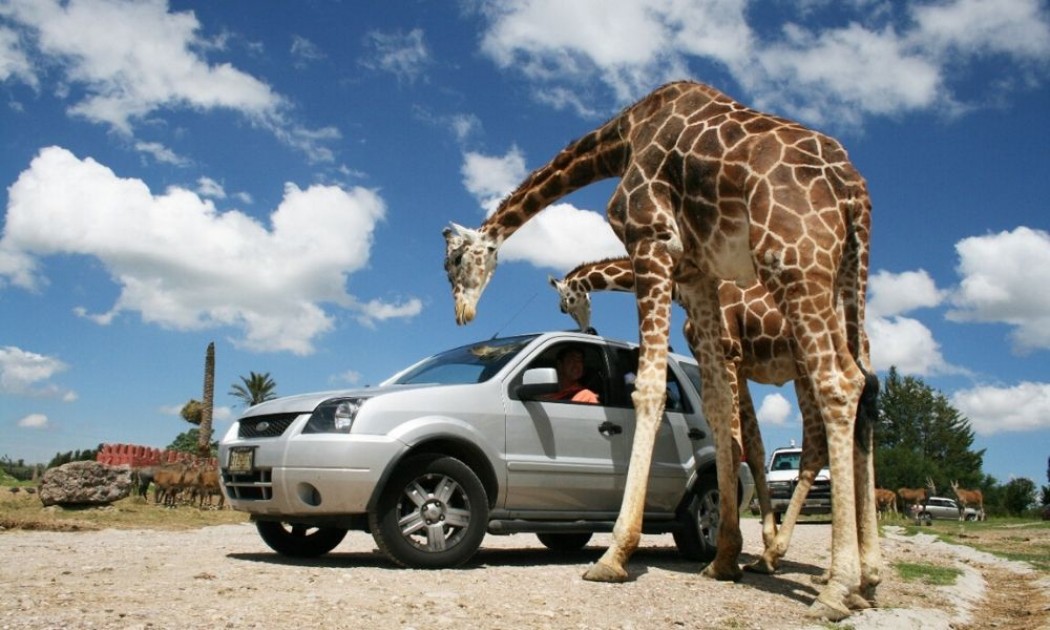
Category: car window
<point>595,369</point>
<point>627,368</point>
<point>786,461</point>
<point>472,363</point>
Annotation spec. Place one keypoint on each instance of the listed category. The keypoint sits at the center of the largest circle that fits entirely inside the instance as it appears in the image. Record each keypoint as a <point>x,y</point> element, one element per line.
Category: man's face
<point>571,366</point>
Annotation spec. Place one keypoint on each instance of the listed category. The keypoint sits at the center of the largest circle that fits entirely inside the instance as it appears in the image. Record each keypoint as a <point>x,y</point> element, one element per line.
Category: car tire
<point>971,517</point>
<point>565,543</point>
<point>432,514</point>
<point>299,541</point>
<point>697,538</point>
<point>926,518</point>
<point>778,517</point>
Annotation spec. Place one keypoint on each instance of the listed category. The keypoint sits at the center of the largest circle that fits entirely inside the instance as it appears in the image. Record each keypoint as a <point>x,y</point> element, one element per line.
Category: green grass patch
<point>927,573</point>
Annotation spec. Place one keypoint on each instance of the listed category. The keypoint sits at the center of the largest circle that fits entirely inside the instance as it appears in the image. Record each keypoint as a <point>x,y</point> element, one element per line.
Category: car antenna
<point>514,316</point>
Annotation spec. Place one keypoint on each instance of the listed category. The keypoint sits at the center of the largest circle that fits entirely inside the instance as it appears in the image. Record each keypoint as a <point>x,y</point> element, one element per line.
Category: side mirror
<point>537,383</point>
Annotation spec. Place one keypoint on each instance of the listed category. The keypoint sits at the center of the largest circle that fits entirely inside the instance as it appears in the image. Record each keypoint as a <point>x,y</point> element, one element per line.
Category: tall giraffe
<point>756,343</point>
<point>710,189</point>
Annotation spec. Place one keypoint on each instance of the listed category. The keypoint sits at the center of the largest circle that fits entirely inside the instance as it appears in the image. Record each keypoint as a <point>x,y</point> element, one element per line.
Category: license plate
<point>241,460</point>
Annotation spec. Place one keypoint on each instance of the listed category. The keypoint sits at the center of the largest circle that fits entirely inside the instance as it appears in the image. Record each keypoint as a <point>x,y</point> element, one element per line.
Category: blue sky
<point>276,180</point>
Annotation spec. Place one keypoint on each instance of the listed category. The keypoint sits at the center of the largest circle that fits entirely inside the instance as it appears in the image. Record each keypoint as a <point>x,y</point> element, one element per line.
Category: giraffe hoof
<point>855,601</point>
<point>602,572</point>
<point>732,573</point>
<point>761,566</point>
<point>822,609</point>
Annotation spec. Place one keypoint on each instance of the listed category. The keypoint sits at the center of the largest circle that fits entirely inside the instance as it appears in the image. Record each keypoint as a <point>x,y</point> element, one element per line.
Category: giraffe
<point>756,343</point>
<point>710,189</point>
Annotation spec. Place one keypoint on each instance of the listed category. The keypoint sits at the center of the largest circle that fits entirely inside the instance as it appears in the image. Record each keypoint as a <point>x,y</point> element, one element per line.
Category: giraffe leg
<point>867,512</point>
<point>654,283</point>
<point>755,455</point>
<point>719,385</point>
<point>814,457</point>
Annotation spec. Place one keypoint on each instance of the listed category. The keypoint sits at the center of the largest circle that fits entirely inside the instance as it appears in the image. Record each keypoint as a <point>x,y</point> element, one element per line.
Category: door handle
<point>696,434</point>
<point>609,429</point>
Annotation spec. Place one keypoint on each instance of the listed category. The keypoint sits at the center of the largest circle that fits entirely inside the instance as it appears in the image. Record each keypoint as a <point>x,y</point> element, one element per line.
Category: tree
<point>919,435</point>
<point>254,389</point>
<point>204,439</point>
<point>188,441</point>
<point>1018,495</point>
<point>192,411</point>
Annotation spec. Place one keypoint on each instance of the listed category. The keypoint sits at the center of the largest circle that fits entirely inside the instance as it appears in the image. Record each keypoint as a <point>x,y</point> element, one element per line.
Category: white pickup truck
<point>782,478</point>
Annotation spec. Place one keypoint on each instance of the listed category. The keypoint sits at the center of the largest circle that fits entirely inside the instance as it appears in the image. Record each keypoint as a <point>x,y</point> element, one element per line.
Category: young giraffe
<point>710,189</point>
<point>756,343</point>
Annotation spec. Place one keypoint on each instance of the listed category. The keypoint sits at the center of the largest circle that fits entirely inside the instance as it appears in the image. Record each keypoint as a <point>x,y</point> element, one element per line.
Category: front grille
<point>272,425</point>
<point>256,485</point>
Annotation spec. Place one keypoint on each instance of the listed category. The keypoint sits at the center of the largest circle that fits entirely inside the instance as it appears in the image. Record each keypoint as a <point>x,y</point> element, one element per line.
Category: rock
<point>84,483</point>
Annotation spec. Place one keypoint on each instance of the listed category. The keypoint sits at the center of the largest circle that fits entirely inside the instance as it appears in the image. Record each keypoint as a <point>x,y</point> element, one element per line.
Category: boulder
<point>85,483</point>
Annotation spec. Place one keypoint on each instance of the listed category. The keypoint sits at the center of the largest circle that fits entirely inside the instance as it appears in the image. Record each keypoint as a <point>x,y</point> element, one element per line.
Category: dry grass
<point>24,511</point>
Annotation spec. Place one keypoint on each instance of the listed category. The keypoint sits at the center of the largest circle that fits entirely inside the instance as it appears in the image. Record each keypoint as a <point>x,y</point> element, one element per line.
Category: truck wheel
<point>697,539</point>
<point>299,541</point>
<point>565,543</point>
<point>432,514</point>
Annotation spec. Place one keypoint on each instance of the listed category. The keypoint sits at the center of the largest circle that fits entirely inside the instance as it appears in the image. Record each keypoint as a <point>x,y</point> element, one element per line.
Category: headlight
<point>333,416</point>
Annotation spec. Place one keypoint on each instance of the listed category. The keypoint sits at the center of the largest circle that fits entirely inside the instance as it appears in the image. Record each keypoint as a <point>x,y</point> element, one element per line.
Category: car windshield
<point>786,461</point>
<point>473,363</point>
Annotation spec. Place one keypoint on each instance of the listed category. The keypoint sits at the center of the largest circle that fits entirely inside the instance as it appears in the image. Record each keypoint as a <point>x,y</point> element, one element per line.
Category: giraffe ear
<point>553,281</point>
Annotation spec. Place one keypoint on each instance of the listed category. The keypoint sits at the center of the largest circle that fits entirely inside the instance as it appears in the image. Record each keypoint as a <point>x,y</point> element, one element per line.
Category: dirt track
<point>226,577</point>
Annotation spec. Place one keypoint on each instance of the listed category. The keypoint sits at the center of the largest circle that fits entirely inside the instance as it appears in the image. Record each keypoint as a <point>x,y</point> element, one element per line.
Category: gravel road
<point>225,577</point>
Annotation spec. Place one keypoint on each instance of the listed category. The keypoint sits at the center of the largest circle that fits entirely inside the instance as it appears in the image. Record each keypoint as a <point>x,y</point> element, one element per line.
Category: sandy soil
<point>225,577</point>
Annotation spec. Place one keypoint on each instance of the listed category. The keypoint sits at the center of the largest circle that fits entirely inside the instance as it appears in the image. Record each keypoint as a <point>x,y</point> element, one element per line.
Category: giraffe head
<point>470,260</point>
<point>573,300</point>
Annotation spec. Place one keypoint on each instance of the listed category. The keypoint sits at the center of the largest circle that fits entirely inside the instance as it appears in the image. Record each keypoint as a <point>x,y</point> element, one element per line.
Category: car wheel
<point>697,539</point>
<point>926,518</point>
<point>432,514</point>
<point>971,517</point>
<point>299,541</point>
<point>565,543</point>
<point>778,517</point>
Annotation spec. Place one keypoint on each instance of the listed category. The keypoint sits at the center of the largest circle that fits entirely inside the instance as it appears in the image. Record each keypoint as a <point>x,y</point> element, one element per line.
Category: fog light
<point>309,495</point>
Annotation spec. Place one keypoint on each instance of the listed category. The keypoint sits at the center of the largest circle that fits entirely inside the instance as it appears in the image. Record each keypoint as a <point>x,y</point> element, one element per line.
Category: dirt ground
<point>225,576</point>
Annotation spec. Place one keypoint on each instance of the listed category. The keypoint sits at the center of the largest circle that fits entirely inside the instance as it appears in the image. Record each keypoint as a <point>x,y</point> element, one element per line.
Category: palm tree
<point>254,389</point>
<point>204,435</point>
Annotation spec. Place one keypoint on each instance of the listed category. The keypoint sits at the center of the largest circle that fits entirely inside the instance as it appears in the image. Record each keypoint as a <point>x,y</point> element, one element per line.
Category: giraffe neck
<point>606,275</point>
<point>599,155</point>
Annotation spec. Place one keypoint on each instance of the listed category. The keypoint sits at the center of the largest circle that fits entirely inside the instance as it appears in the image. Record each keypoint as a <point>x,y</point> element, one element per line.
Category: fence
<point>137,456</point>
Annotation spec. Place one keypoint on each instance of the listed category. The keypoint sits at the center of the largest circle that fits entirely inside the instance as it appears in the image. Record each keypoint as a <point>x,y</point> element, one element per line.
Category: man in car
<point>570,370</point>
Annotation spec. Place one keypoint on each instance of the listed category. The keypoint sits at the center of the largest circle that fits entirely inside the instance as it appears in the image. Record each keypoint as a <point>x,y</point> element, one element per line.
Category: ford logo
<point>262,426</point>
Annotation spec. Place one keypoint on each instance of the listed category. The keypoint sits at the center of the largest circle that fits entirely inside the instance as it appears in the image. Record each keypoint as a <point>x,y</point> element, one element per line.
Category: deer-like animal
<point>885,501</point>
<point>968,498</point>
<point>910,497</point>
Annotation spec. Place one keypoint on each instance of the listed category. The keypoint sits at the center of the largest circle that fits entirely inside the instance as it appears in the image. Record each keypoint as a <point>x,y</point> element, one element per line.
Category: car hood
<point>306,403</point>
<point>791,475</point>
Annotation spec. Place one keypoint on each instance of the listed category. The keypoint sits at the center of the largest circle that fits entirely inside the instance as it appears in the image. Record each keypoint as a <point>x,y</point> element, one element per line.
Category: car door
<point>565,457</point>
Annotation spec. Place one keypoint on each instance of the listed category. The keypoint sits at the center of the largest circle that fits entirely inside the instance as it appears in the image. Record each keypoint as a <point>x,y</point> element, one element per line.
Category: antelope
<point>916,496</point>
<point>968,498</point>
<point>886,501</point>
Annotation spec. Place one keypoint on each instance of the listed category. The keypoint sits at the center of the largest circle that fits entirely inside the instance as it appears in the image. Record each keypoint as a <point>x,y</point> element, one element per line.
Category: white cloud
<point>405,55</point>
<point>181,263</point>
<point>26,373</point>
<point>1023,407</point>
<point>1004,277</point>
<point>375,310</point>
<point>13,60</point>
<point>561,236</point>
<point>880,61</point>
<point>775,410</point>
<point>895,294</point>
<point>208,187</point>
<point>305,51</point>
<point>491,178</point>
<point>907,344</point>
<point>34,421</point>
<point>130,59</point>
<point>161,153</point>
<point>352,377</point>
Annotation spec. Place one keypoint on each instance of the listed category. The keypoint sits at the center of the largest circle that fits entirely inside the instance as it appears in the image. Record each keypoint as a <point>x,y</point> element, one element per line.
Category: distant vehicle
<point>782,477</point>
<point>942,508</point>
<point>467,443</point>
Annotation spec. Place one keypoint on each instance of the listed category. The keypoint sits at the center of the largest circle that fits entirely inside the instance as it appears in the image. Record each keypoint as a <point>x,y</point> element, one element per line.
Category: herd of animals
<point>179,483</point>
<point>713,198</point>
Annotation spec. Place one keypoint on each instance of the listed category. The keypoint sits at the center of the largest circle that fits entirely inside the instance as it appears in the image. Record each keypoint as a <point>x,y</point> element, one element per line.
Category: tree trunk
<point>204,433</point>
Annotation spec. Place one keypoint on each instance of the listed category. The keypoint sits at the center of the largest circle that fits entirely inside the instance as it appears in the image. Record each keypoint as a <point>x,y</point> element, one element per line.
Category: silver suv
<point>463,443</point>
<point>942,508</point>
